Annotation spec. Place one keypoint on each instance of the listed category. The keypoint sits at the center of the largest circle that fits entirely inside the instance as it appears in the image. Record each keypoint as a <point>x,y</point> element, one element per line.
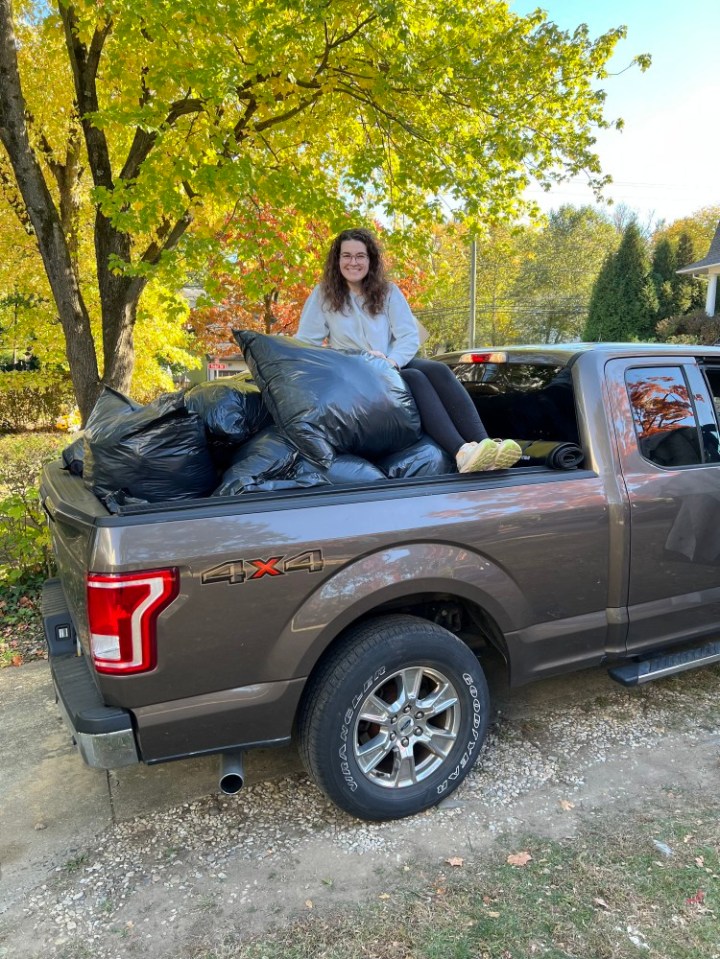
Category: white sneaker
<point>487,455</point>
<point>476,457</point>
<point>508,453</point>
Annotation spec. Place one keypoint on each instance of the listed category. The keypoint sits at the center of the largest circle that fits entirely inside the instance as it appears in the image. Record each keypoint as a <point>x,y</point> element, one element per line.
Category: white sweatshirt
<point>393,332</point>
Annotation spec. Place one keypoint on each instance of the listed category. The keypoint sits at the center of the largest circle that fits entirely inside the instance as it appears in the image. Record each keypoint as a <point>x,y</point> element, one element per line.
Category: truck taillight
<point>122,613</point>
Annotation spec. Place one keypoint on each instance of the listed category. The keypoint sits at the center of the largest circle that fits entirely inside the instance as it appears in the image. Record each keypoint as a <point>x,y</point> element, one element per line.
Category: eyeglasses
<point>353,257</point>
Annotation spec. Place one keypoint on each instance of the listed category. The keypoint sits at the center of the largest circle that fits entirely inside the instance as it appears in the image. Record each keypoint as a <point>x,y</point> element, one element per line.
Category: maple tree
<point>124,124</point>
<point>270,260</point>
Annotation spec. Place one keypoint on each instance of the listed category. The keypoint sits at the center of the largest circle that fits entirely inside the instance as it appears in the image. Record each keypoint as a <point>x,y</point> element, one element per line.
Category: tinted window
<point>505,377</point>
<point>664,416</point>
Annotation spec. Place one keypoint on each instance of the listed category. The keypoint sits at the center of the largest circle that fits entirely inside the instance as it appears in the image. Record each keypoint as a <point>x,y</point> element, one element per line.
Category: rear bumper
<point>104,735</point>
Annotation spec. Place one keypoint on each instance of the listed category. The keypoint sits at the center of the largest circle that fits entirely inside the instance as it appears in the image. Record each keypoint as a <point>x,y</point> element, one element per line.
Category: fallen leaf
<point>384,895</point>
<point>487,900</point>
<point>566,804</point>
<point>309,903</point>
<point>519,859</point>
<point>699,861</point>
<point>493,915</point>
<point>455,861</point>
<point>16,660</point>
<point>696,899</point>
<point>601,902</point>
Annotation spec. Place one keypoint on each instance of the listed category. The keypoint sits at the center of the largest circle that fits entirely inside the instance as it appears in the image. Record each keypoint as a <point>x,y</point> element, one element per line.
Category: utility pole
<point>473,270</point>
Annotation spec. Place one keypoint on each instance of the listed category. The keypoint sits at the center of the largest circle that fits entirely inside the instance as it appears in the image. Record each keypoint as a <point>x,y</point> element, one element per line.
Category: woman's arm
<point>313,327</point>
<point>404,335</point>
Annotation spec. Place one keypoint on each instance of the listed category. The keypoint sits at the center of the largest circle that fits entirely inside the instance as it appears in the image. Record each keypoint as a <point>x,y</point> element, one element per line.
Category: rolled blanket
<point>554,455</point>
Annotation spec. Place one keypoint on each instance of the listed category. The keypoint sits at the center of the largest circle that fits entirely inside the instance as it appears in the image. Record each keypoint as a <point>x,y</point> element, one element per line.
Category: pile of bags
<point>308,417</point>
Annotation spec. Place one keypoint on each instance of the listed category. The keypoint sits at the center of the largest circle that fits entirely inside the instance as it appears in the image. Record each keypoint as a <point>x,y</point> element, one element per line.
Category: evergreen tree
<point>596,328</point>
<point>664,277</point>
<point>689,290</point>
<point>623,302</point>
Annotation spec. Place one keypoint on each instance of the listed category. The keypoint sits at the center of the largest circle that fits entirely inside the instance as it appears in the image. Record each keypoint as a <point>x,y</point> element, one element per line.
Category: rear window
<point>505,377</point>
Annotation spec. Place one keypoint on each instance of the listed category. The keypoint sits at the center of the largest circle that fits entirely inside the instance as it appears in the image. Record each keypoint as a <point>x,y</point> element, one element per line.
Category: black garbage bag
<point>231,408</point>
<point>149,453</point>
<point>554,455</point>
<point>327,402</point>
<point>266,462</point>
<point>424,458</point>
<point>345,468</point>
<point>73,456</point>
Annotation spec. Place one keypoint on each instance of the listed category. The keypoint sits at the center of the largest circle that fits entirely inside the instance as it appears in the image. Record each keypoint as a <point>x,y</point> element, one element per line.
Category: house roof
<point>708,262</point>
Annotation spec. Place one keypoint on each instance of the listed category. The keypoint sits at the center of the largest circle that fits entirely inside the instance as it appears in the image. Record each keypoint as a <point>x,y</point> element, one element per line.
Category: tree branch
<point>144,140</point>
<point>85,63</point>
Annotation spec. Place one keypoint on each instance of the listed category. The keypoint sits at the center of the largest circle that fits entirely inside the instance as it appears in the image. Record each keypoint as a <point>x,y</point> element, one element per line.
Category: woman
<point>355,307</point>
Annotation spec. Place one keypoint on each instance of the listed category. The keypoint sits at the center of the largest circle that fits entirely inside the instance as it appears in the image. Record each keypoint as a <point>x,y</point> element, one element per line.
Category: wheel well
<point>467,620</point>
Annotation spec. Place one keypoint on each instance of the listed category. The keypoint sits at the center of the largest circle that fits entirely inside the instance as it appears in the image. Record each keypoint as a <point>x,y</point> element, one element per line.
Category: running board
<point>641,671</point>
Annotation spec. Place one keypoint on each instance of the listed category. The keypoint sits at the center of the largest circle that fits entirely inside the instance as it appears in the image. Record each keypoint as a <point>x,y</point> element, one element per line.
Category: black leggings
<point>447,413</point>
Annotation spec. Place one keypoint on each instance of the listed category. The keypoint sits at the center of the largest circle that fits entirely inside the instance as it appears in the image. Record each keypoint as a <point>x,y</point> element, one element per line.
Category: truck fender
<point>391,574</point>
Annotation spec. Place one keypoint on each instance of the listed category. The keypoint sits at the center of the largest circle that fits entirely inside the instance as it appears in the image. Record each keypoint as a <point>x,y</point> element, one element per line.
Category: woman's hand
<point>383,357</point>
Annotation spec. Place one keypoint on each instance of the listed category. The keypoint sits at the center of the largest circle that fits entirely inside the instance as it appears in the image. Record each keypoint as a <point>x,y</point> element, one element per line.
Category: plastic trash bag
<point>424,458</point>
<point>345,468</point>
<point>74,455</point>
<point>266,462</point>
<point>554,455</point>
<point>149,453</point>
<point>327,402</point>
<point>231,408</point>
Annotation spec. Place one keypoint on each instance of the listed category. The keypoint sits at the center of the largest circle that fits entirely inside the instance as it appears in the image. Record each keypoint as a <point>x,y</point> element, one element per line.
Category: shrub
<point>695,327</point>
<point>24,537</point>
<point>33,400</point>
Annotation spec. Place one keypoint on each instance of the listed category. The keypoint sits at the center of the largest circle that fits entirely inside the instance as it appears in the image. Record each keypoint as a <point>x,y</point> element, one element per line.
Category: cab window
<point>666,423</point>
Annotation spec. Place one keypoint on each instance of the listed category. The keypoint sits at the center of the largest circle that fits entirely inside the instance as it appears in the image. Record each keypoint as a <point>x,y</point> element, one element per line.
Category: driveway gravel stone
<point>177,877</point>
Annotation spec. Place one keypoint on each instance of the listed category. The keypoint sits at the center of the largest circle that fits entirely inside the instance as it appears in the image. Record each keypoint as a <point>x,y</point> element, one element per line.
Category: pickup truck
<point>356,619</point>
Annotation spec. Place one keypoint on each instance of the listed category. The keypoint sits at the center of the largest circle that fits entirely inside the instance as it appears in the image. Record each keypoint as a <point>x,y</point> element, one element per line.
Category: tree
<point>623,301</point>
<point>159,115</point>
<point>700,228</point>
<point>676,294</point>
<point>689,290</point>
<point>561,263</point>
<point>499,260</point>
<point>268,263</point>
<point>664,276</point>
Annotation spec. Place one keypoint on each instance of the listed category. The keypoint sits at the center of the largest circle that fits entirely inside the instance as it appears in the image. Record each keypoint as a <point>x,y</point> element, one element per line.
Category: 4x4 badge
<point>244,570</point>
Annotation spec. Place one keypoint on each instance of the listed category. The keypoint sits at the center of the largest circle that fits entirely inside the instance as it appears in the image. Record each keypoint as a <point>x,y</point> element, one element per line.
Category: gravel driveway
<point>188,877</point>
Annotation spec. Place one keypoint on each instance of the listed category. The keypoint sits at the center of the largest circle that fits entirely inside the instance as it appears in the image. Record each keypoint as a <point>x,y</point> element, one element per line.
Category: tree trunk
<point>45,220</point>
<point>119,297</point>
<point>269,320</point>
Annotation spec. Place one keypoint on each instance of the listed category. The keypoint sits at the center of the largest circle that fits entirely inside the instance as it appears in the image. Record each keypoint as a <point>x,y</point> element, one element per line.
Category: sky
<point>665,164</point>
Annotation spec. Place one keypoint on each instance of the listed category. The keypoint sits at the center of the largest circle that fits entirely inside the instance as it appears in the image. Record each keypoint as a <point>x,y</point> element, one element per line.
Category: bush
<point>24,537</point>
<point>33,400</point>
<point>696,327</point>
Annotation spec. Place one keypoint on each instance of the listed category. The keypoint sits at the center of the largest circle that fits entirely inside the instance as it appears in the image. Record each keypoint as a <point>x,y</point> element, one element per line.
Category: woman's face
<point>354,263</point>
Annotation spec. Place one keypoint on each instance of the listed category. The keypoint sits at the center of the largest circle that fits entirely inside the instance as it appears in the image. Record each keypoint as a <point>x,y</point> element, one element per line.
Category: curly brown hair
<point>375,284</point>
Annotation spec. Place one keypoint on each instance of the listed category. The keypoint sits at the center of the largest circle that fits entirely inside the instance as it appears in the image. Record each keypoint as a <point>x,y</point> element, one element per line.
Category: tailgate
<point>72,512</point>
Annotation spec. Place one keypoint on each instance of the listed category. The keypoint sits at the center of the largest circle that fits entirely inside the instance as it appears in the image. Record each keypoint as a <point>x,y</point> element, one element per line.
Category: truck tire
<point>394,718</point>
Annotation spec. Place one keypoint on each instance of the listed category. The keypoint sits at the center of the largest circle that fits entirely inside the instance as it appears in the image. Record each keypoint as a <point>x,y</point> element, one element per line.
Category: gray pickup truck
<point>356,619</point>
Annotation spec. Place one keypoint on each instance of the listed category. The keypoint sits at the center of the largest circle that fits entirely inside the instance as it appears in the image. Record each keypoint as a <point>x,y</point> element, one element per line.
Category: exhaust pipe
<point>232,773</point>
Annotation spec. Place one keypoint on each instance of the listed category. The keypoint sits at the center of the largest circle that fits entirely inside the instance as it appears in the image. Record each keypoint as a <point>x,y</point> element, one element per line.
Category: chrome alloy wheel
<point>406,727</point>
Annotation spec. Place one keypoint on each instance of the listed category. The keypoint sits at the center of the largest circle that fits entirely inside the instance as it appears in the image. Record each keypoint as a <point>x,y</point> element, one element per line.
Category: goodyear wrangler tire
<point>394,718</point>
